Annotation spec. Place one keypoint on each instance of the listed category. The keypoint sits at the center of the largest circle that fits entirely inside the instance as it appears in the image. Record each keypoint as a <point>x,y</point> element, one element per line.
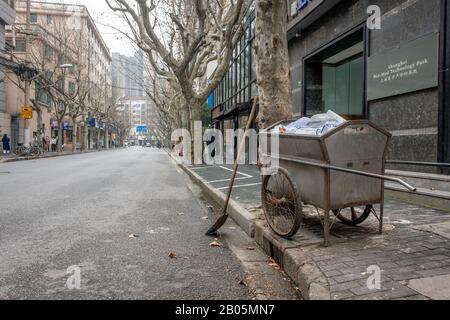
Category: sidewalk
<point>13,158</point>
<point>413,253</point>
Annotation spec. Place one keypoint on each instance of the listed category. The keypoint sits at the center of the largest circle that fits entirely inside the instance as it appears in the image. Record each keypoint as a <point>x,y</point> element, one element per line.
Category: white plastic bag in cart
<point>318,125</point>
<point>321,120</point>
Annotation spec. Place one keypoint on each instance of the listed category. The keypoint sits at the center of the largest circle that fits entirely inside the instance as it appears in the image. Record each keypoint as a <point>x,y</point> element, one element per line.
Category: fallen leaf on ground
<point>205,218</point>
<point>216,244</point>
<point>251,248</point>
<point>181,213</point>
<point>172,255</point>
<point>274,265</point>
<point>132,236</point>
<point>243,283</point>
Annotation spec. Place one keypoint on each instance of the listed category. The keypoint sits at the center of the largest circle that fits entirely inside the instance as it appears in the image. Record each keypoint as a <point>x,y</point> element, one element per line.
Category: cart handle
<point>361,173</point>
<point>418,163</point>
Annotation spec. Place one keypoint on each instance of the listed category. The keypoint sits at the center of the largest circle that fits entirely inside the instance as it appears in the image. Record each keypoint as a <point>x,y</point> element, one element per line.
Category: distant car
<point>147,145</point>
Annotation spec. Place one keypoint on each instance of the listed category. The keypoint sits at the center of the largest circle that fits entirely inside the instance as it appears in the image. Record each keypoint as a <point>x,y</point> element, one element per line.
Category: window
<point>49,19</point>
<point>48,52</point>
<point>42,96</point>
<point>235,89</point>
<point>60,84</point>
<point>20,46</point>
<point>61,59</point>
<point>33,18</point>
<point>48,75</point>
<point>72,87</point>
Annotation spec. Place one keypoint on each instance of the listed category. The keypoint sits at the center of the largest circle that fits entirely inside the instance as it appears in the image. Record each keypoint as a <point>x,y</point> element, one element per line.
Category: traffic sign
<point>141,129</point>
<point>26,112</point>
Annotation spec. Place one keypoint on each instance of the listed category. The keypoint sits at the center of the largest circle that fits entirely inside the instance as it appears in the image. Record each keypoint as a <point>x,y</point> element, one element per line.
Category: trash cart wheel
<point>353,216</point>
<point>281,204</point>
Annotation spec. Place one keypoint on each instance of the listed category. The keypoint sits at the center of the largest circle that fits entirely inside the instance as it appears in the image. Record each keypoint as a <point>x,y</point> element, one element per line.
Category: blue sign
<point>141,129</point>
<point>92,122</point>
<point>211,101</point>
<point>302,4</point>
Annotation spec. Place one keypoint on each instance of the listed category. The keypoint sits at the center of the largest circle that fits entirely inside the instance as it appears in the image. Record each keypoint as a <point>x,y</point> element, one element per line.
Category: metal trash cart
<point>341,172</point>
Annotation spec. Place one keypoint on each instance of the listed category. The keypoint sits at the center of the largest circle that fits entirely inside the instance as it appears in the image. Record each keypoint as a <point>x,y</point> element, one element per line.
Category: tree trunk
<point>83,135</point>
<point>39,123</point>
<point>98,139</point>
<point>74,134</point>
<point>197,140</point>
<point>272,62</point>
<point>60,136</point>
<point>106,138</point>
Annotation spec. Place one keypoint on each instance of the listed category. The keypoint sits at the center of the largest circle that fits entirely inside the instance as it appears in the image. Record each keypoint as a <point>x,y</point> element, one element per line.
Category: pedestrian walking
<point>48,143</point>
<point>6,144</point>
<point>44,144</point>
<point>54,143</point>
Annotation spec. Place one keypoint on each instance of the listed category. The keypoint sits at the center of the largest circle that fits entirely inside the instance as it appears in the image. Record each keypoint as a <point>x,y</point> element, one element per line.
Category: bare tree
<point>272,62</point>
<point>181,37</point>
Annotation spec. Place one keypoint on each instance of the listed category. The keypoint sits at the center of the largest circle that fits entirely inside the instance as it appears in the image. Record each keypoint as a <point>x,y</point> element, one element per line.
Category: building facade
<point>138,112</point>
<point>50,25</point>
<point>387,71</point>
<point>7,17</point>
<point>127,75</point>
<point>231,101</point>
<point>380,60</point>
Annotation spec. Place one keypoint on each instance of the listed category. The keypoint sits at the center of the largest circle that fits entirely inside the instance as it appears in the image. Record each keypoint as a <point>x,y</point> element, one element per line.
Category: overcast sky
<point>103,16</point>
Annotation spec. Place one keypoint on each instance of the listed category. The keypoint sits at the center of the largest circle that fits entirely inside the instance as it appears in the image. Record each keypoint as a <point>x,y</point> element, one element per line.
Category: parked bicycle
<point>33,151</point>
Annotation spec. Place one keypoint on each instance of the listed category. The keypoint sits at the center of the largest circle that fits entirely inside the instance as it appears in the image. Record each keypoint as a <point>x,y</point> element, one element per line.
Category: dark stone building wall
<point>412,118</point>
<point>2,83</point>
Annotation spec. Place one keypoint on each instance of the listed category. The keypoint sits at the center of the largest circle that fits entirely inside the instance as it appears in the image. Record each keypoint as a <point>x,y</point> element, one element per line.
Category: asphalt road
<point>80,211</point>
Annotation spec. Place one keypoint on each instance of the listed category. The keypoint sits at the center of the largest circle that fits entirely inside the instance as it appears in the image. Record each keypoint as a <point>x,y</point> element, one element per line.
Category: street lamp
<point>62,67</point>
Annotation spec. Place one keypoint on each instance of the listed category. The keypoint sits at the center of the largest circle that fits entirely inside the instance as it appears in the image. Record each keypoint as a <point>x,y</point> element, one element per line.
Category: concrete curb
<point>238,213</point>
<point>297,263</point>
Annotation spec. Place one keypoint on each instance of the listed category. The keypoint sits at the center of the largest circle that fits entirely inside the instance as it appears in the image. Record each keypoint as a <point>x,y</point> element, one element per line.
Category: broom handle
<point>241,149</point>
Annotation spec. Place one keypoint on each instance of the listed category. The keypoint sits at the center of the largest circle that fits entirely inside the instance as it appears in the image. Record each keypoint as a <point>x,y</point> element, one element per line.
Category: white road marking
<point>242,186</point>
<point>227,180</point>
<point>241,173</point>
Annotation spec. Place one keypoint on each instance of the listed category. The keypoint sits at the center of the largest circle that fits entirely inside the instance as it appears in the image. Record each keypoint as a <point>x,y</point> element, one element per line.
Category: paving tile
<point>344,286</point>
<point>402,292</point>
<point>350,277</point>
<point>340,295</point>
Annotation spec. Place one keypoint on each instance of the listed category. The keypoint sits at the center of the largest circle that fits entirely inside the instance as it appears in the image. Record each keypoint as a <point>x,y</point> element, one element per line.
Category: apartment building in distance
<point>7,17</point>
<point>127,75</point>
<point>138,111</point>
<point>54,24</point>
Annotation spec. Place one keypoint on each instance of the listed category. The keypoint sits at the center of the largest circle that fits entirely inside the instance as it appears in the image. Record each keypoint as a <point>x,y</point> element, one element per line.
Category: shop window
<point>334,78</point>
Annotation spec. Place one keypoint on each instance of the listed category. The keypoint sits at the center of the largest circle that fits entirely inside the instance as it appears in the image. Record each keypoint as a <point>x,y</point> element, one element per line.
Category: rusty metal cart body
<point>345,168</point>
